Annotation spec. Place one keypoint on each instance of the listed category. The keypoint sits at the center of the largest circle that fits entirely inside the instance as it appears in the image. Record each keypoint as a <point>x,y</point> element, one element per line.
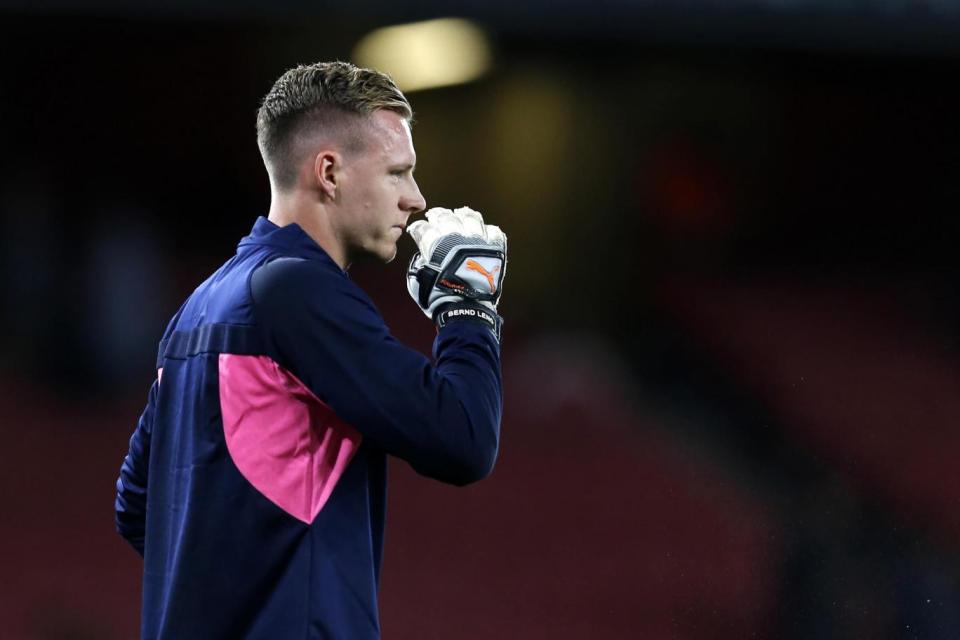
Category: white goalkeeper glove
<point>459,268</point>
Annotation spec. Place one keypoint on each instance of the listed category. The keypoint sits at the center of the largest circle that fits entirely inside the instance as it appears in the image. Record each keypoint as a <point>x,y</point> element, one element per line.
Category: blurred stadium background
<point>731,352</point>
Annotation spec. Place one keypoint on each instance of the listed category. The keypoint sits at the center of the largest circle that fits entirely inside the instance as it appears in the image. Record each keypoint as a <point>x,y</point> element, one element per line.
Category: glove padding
<point>459,259</point>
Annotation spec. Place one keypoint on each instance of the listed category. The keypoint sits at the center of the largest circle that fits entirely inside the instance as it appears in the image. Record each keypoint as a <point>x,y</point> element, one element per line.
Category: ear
<point>327,166</point>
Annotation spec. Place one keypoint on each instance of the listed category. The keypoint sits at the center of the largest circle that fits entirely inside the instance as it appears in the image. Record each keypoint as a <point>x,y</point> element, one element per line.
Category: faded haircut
<point>328,97</point>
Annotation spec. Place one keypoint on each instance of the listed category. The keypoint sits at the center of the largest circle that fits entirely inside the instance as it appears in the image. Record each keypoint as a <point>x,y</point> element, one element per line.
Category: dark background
<point>731,352</point>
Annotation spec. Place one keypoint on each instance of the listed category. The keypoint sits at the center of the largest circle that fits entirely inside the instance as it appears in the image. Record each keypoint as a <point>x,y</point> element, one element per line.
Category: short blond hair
<point>328,96</point>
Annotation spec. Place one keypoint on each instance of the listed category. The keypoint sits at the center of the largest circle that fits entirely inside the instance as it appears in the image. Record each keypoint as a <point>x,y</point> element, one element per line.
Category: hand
<point>460,259</point>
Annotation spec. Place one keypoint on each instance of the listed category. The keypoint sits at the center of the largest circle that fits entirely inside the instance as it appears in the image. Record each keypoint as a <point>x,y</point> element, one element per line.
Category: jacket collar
<point>291,240</point>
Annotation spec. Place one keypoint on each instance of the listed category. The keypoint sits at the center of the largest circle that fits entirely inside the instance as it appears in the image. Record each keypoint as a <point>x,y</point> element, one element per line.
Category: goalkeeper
<point>255,483</point>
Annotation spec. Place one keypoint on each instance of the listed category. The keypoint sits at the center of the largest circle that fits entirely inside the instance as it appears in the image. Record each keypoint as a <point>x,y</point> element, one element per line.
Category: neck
<point>312,216</point>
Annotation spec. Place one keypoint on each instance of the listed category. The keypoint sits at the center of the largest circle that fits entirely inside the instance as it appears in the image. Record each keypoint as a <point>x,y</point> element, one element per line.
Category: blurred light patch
<point>423,55</point>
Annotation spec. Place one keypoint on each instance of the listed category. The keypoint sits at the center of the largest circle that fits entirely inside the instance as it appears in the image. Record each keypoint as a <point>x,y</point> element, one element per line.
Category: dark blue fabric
<point>220,559</point>
<point>211,338</point>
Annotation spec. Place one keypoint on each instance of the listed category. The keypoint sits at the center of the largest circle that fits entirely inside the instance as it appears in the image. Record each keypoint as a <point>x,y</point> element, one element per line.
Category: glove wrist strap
<point>468,312</point>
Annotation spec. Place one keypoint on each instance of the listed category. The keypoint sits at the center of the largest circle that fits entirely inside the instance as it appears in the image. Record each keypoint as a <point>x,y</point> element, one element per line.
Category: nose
<point>413,202</point>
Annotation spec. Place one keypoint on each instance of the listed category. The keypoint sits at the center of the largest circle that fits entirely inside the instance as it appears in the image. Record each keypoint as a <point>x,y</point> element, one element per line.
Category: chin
<point>389,250</point>
<point>383,254</point>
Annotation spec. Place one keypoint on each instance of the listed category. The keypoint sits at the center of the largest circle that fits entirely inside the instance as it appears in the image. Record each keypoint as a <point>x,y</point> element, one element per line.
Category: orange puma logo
<point>473,265</point>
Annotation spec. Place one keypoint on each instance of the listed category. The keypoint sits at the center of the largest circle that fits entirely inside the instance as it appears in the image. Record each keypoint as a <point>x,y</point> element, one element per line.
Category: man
<point>255,482</point>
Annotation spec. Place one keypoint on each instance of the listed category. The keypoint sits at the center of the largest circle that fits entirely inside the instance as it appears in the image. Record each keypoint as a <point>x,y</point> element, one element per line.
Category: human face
<point>378,190</point>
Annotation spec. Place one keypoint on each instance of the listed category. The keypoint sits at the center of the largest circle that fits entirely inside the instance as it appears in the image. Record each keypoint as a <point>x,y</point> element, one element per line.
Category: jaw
<point>388,251</point>
<point>383,250</point>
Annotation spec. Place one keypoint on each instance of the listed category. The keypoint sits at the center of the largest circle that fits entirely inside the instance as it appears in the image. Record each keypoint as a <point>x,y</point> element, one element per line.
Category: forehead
<point>390,137</point>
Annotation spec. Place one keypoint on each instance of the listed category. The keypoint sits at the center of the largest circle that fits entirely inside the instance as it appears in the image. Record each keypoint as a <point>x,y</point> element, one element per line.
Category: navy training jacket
<point>255,483</point>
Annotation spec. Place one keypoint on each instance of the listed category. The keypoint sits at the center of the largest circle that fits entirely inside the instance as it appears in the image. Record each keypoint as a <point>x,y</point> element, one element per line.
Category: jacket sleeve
<point>131,503</point>
<point>443,417</point>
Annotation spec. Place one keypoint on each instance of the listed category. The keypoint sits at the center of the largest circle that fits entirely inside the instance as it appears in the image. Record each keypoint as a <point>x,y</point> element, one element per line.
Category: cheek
<point>384,200</point>
<point>364,213</point>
